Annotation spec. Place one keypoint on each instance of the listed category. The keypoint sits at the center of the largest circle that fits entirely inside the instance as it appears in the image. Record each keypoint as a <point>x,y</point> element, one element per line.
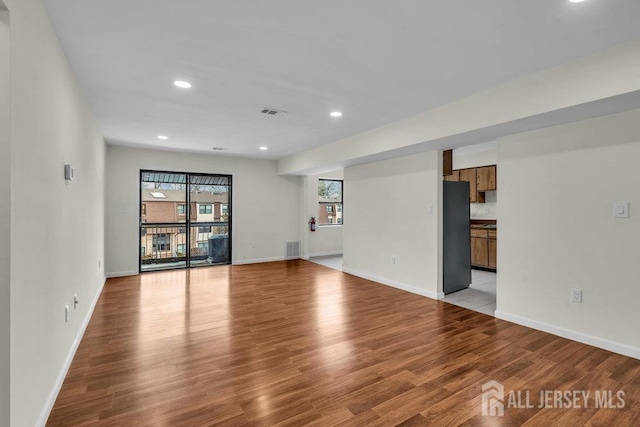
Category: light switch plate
<point>621,209</point>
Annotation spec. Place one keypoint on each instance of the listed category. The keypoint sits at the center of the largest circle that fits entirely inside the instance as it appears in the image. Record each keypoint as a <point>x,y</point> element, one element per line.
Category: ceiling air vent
<point>219,148</point>
<point>272,111</point>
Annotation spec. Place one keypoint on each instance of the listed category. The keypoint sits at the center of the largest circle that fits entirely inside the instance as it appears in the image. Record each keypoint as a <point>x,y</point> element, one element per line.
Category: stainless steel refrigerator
<point>456,237</point>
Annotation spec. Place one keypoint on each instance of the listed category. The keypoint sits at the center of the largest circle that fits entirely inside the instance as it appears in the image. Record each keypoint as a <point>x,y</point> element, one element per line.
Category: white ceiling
<point>377,61</point>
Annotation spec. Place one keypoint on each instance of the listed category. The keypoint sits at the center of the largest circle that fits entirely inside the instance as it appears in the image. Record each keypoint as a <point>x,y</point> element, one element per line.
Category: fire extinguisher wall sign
<point>312,224</point>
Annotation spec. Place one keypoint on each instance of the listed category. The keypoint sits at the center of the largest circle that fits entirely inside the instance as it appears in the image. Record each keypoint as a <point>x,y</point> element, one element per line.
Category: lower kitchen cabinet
<point>493,252</point>
<point>484,248</point>
<point>480,251</point>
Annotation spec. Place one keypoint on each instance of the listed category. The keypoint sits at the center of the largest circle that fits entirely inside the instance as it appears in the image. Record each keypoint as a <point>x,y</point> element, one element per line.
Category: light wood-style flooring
<point>296,343</point>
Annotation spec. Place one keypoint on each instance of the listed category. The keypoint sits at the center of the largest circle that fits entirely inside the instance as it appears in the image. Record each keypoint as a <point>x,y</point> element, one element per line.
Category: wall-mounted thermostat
<point>68,172</point>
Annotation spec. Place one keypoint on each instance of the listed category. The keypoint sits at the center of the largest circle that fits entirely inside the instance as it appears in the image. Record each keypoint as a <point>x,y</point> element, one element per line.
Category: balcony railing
<point>169,245</point>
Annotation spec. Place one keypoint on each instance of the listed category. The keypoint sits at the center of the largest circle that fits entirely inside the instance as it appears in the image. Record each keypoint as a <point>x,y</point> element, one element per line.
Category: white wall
<point>266,206</point>
<point>5,216</point>
<point>57,227</point>
<point>557,231</point>
<point>388,216</point>
<point>475,156</point>
<point>326,240</point>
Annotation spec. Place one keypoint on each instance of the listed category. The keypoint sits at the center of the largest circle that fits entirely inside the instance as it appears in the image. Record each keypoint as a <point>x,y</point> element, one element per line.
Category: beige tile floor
<point>332,261</point>
<point>480,296</point>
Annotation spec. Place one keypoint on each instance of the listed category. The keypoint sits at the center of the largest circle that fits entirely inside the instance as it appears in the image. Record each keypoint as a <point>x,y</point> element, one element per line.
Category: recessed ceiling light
<point>335,114</point>
<point>576,1</point>
<point>264,148</point>
<point>182,84</point>
<point>163,137</point>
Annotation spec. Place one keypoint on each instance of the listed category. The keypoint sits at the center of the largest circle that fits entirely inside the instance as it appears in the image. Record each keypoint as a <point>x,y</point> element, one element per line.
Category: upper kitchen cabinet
<point>470,176</point>
<point>486,178</point>
<point>455,176</point>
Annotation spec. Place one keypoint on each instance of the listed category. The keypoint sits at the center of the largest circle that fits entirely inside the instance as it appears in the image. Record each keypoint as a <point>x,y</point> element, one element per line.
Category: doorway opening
<point>185,220</point>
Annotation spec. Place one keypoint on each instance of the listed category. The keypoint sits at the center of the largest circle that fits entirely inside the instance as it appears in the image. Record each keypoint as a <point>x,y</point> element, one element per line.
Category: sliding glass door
<point>185,220</point>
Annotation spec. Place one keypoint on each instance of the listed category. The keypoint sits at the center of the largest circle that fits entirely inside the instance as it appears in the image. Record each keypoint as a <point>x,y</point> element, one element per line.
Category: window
<point>225,209</point>
<point>182,209</point>
<point>206,229</point>
<point>205,209</point>
<point>182,230</point>
<point>143,209</point>
<point>143,250</point>
<point>161,242</point>
<point>330,202</point>
<point>203,245</point>
<point>180,249</point>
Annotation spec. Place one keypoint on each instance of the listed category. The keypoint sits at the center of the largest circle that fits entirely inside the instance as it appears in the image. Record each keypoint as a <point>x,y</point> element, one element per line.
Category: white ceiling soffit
<point>376,61</point>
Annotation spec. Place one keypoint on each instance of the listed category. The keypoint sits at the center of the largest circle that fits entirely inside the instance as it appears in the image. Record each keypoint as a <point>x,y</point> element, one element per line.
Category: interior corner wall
<point>326,240</point>
<point>388,216</point>
<point>557,230</point>
<point>57,227</point>
<point>265,206</point>
<point>5,216</point>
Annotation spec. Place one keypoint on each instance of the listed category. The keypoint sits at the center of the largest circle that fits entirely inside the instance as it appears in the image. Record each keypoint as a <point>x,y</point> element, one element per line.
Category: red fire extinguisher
<point>312,223</point>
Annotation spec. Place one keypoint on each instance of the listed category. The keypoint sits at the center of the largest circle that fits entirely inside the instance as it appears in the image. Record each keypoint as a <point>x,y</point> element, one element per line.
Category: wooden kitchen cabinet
<point>480,251</point>
<point>470,176</point>
<point>484,248</point>
<point>493,252</point>
<point>455,176</point>
<point>486,178</point>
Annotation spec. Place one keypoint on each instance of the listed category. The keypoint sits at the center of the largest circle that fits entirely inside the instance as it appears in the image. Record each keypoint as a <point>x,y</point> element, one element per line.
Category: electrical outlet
<point>75,301</point>
<point>66,313</point>
<point>576,295</point>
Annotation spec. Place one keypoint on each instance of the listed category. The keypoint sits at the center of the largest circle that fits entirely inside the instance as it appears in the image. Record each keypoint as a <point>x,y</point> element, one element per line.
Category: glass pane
<point>210,226</point>
<point>330,214</point>
<point>162,247</point>
<point>163,198</point>
<point>209,202</point>
<point>210,244</point>
<point>329,191</point>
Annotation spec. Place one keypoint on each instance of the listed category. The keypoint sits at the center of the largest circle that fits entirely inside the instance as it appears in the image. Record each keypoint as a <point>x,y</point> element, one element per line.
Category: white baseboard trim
<point>394,284</point>
<point>53,395</point>
<point>616,347</point>
<point>257,260</point>
<point>331,253</point>
<point>121,274</point>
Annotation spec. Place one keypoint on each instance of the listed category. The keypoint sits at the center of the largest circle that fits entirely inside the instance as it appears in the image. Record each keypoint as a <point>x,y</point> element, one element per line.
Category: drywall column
<point>5,217</point>
<point>393,223</point>
<point>558,231</point>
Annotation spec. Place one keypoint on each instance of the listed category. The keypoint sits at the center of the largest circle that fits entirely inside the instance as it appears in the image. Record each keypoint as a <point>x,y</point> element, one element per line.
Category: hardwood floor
<point>296,343</point>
